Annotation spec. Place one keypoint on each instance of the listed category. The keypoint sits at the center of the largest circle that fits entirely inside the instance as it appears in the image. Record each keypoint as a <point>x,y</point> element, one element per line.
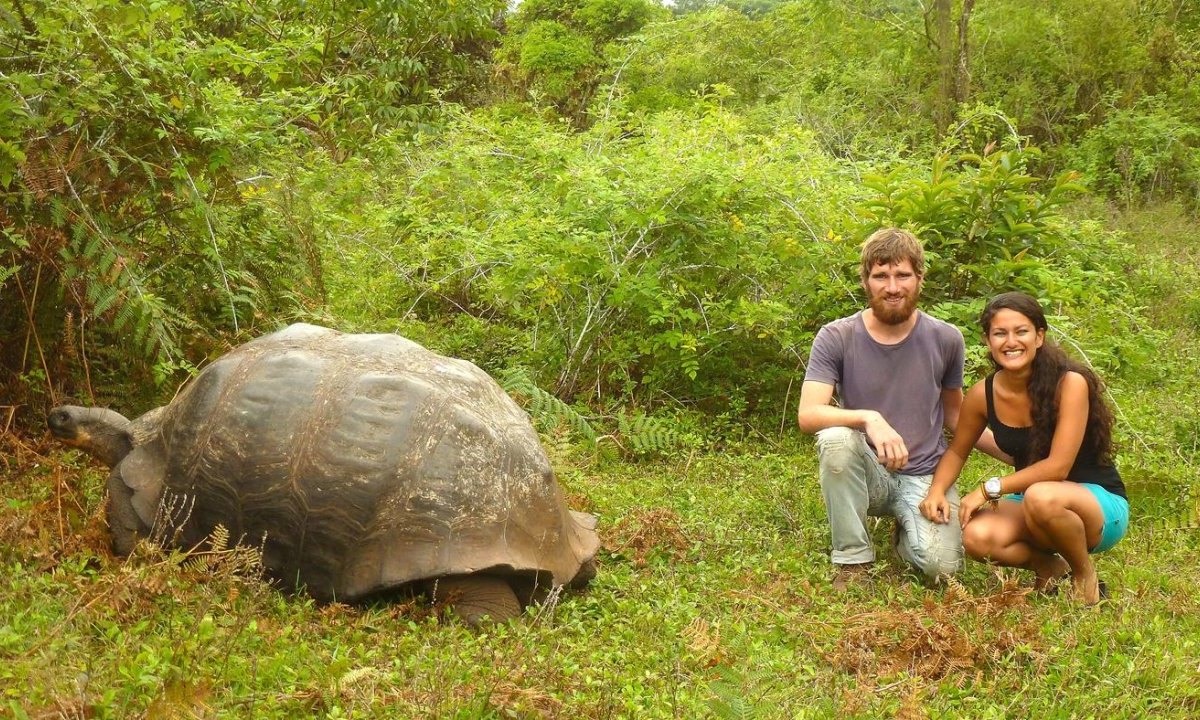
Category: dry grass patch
<point>704,642</point>
<point>960,635</point>
<point>48,516</point>
<point>642,533</point>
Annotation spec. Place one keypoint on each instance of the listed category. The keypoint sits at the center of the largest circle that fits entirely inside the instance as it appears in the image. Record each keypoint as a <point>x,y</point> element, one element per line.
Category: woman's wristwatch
<point>991,489</point>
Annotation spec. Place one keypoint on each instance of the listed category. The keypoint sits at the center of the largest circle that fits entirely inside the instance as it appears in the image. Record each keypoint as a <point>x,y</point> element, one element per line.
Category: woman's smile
<point>1013,339</point>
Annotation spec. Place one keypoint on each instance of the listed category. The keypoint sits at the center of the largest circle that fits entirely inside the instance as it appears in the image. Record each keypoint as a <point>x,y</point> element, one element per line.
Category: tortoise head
<point>103,434</point>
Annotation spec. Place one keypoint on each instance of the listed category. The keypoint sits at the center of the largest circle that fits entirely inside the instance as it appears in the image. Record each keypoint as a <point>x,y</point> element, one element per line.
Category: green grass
<point>713,598</point>
<point>712,601</point>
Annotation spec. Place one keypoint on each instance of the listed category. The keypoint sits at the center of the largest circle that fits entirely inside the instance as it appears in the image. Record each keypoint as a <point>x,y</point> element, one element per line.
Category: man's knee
<point>837,437</point>
<point>939,563</point>
<point>838,448</point>
<point>937,554</point>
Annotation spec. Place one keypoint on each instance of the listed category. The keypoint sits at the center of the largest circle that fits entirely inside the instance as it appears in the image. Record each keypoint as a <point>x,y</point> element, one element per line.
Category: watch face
<point>992,488</point>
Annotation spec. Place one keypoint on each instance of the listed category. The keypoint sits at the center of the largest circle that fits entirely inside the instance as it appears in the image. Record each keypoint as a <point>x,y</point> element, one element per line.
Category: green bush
<point>986,224</point>
<point>853,80</point>
<point>1142,153</point>
<point>133,145</point>
<point>673,66</point>
<point>991,225</point>
<point>554,61</point>
<point>683,259</point>
<point>1058,68</point>
<point>554,51</point>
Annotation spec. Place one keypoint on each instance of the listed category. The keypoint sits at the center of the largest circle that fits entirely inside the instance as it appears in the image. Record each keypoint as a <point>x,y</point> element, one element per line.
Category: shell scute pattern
<point>361,462</point>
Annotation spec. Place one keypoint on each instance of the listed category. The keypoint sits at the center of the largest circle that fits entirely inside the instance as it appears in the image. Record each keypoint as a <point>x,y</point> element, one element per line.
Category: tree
<point>949,39</point>
<point>554,49</point>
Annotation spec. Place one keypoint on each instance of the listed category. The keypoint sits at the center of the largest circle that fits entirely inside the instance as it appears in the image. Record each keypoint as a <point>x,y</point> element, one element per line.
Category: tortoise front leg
<point>124,525</point>
<point>477,598</point>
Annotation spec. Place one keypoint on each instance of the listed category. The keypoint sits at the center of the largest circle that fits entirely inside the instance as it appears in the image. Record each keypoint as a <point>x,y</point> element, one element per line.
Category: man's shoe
<point>847,576</point>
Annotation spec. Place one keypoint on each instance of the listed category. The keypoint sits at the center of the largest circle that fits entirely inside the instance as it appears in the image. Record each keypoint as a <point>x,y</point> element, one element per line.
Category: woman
<point>1065,498</point>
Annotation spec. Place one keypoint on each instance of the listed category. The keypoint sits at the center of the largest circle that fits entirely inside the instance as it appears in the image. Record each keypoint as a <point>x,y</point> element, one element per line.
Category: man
<point>899,375</point>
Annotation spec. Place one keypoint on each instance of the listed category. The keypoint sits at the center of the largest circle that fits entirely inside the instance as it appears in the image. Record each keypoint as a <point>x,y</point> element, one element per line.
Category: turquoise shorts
<point>1116,515</point>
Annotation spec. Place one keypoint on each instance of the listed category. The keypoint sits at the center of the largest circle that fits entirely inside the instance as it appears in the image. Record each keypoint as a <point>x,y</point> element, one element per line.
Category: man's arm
<point>952,400</point>
<point>816,413</point>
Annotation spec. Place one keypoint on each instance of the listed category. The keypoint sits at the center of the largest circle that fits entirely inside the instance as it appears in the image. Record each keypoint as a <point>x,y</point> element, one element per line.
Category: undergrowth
<point>712,599</point>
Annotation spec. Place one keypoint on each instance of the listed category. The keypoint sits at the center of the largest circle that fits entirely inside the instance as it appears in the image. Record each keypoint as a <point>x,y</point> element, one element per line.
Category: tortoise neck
<point>107,435</point>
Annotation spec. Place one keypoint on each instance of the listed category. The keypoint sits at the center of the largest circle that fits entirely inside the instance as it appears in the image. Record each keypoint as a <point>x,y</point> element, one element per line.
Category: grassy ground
<point>713,600</point>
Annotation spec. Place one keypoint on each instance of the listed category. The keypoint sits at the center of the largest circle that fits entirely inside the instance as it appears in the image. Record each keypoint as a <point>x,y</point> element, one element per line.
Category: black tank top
<point>1015,442</point>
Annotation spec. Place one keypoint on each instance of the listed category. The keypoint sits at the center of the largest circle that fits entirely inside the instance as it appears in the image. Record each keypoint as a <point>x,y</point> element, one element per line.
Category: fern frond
<point>124,316</point>
<point>112,288</point>
<point>734,708</point>
<point>91,250</point>
<point>102,298</point>
<point>546,408</point>
<point>198,563</point>
<point>728,701</point>
<point>219,539</point>
<point>645,435</point>
<point>104,262</point>
<point>1188,519</point>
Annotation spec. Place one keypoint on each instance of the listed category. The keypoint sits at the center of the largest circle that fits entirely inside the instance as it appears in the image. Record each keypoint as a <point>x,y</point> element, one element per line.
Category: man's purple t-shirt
<point>903,382</point>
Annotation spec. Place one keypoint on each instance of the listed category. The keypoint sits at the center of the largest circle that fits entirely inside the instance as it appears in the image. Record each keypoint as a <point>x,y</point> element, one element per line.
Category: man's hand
<point>936,507</point>
<point>970,504</point>
<point>889,446</point>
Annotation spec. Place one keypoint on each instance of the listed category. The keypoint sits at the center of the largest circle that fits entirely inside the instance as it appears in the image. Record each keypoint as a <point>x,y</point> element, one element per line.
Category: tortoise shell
<point>358,463</point>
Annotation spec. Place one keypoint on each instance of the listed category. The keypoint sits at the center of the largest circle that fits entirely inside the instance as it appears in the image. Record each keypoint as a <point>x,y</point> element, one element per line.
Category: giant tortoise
<point>357,463</point>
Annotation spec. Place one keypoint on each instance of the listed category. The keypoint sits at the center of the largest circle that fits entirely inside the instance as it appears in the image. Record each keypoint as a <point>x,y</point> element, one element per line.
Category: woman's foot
<point>1050,570</point>
<point>1087,588</point>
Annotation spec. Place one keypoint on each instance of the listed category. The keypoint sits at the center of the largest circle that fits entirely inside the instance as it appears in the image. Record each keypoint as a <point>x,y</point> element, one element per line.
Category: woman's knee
<point>1041,501</point>
<point>979,539</point>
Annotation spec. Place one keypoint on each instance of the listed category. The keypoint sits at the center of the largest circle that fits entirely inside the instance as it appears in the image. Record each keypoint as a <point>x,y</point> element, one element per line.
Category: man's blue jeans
<point>855,485</point>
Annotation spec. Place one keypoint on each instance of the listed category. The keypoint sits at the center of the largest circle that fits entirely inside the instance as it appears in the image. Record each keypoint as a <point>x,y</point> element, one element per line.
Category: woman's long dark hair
<point>1049,365</point>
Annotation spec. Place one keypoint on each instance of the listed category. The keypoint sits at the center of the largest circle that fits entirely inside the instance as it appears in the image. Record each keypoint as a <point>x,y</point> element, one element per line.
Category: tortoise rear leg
<point>587,573</point>
<point>477,598</point>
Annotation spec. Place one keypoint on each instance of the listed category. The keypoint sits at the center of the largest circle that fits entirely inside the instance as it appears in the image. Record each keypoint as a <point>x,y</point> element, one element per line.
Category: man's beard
<point>891,314</point>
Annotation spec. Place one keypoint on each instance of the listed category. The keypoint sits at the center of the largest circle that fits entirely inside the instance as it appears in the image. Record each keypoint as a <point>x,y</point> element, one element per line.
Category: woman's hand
<point>970,504</point>
<point>936,507</point>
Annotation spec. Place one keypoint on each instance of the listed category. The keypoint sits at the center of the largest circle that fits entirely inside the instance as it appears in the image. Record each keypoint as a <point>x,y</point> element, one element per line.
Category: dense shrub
<point>666,261</point>
<point>175,177</point>
<point>684,259</point>
<point>864,77</point>
<point>133,139</point>
<point>850,78</point>
<point>1144,152</point>
<point>552,53</point>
